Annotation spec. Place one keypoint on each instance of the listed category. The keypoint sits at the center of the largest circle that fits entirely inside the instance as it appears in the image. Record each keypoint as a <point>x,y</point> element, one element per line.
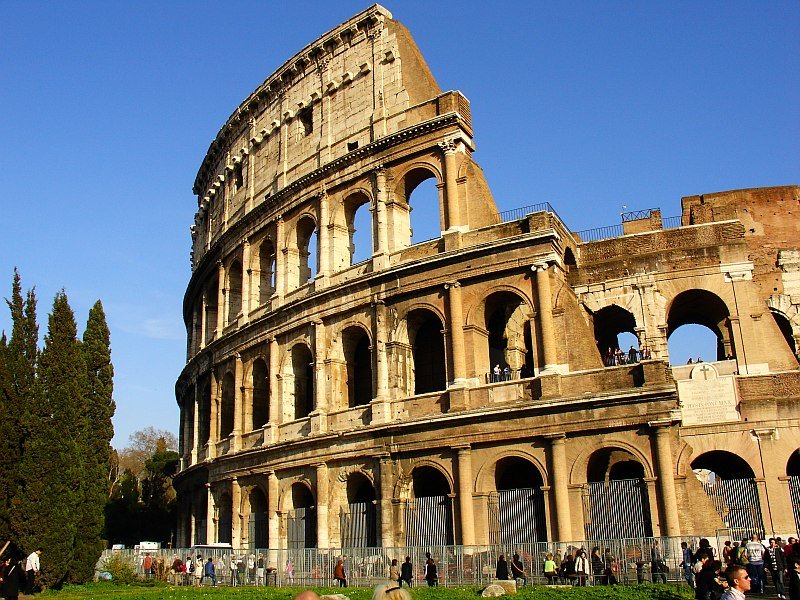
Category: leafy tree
<point>142,444</point>
<point>96,433</point>
<point>50,499</point>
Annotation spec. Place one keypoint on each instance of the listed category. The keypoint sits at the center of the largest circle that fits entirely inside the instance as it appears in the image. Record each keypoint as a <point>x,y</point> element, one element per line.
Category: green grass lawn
<point>109,590</point>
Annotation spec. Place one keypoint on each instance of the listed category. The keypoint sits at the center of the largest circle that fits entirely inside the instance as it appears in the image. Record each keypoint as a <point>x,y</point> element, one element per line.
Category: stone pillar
<point>381,405</point>
<point>211,516</point>
<point>273,530</point>
<point>670,522</point>
<point>280,259</point>
<point>246,283</point>
<point>203,319</point>
<point>385,474</point>
<point>452,209</point>
<point>559,482</point>
<point>196,424</point>
<point>238,374</point>
<point>320,412</point>
<point>534,347</point>
<point>213,426</point>
<point>456,328</point>
<point>381,193</point>
<point>221,308</point>
<point>322,506</point>
<point>465,503</point>
<point>275,405</point>
<point>236,516</point>
<point>546,316</point>
<point>324,249</point>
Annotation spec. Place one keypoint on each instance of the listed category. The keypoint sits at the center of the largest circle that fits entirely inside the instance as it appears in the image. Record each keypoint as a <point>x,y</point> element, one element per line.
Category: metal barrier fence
<point>523,211</point>
<point>632,561</point>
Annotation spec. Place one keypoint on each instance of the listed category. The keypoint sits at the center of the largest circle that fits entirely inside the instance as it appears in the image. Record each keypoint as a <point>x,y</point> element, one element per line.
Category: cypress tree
<point>50,501</point>
<point>8,448</point>
<point>95,441</point>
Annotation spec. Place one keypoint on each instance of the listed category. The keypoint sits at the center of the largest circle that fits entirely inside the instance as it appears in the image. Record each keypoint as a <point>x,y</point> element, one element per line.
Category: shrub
<point>121,568</point>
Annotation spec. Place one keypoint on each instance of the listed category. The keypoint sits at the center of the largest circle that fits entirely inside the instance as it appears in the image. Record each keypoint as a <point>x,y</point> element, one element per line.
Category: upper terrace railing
<point>611,231</point>
<point>522,211</point>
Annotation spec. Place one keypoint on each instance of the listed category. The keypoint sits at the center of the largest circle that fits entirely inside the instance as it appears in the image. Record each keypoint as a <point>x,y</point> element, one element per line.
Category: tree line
<point>56,405</point>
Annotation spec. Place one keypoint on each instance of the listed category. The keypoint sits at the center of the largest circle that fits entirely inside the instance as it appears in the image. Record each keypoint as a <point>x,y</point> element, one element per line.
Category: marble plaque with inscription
<point>706,397</point>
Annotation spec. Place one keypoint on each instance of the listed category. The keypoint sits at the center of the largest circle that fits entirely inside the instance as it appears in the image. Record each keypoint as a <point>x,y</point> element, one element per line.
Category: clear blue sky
<point>107,109</point>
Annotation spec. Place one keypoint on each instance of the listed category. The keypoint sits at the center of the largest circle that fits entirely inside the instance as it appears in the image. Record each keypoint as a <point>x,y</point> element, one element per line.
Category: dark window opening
<point>352,146</point>
<point>306,117</point>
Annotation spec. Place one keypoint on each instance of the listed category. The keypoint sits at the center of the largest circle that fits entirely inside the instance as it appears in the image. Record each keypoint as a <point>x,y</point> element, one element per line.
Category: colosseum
<point>459,392</point>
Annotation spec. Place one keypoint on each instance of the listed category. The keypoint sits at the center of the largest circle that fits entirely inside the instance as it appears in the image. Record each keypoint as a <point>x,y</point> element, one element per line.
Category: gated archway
<point>793,471</point>
<point>516,509</point>
<point>258,520</point>
<point>615,501</point>
<point>429,514</point>
<point>358,520</point>
<point>731,485</point>
<point>301,520</point>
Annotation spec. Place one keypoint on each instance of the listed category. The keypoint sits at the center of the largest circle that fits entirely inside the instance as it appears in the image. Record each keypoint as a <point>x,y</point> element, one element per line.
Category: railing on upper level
<point>522,211</point>
<point>611,231</point>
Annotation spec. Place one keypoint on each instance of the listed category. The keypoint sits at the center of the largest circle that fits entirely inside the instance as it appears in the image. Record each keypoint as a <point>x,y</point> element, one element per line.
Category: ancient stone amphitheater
<point>458,391</point>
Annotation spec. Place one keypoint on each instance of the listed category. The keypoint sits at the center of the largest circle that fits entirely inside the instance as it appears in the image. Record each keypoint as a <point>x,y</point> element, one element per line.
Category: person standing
<point>394,573</point>
<point>657,564</point>
<point>339,574</point>
<point>686,563</point>
<point>431,573</point>
<point>738,583</point>
<point>794,581</point>
<point>774,561</point>
<point>11,579</point>
<point>32,570</point>
<point>198,570</point>
<point>581,566</point>
<point>406,572</point>
<point>501,572</point>
<point>210,571</point>
<point>755,563</point>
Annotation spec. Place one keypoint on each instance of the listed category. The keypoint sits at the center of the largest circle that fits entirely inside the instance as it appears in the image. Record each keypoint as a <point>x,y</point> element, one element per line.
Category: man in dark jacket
<point>775,562</point>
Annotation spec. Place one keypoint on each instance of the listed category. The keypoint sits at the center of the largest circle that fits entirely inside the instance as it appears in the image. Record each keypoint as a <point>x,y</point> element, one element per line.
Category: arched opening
<point>786,330</point>
<point>793,472</point>
<point>615,335</point>
<point>258,523</point>
<point>226,409</point>
<point>429,516</point>
<point>234,293</point>
<point>204,411</point>
<point>427,347</point>
<point>188,422</point>
<point>704,309</point>
<point>199,513</point>
<point>358,359</point>
<point>516,510</point>
<point>303,373</point>
<point>197,325</point>
<point>211,295</point>
<point>306,250</point>
<point>358,520</point>
<point>730,484</point>
<point>359,227</point>
<point>225,519</point>
<point>616,502</point>
<point>266,272</point>
<point>301,521</point>
<point>419,188</point>
<point>509,350</point>
<point>569,259</point>
<point>260,394</point>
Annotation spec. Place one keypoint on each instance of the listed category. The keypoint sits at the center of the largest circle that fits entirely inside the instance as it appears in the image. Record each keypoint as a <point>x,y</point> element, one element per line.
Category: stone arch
<point>357,350</point>
<point>484,481</point>
<point>258,520</point>
<point>793,464</point>
<point>305,244</point>
<point>299,379</point>
<point>580,466</point>
<point>609,322</point>
<point>404,483</point>
<point>569,259</point>
<point>264,271</point>
<point>233,294</point>
<point>517,503</point>
<point>724,464</point>
<point>787,330</point>
<point>225,518</point>
<point>301,519</point>
<point>204,410</point>
<point>359,519</point>
<point>259,383</point>
<point>407,182</point>
<point>211,295</point>
<point>357,215</point>
<point>226,405</point>
<point>430,503</point>
<point>427,345</point>
<point>698,306</point>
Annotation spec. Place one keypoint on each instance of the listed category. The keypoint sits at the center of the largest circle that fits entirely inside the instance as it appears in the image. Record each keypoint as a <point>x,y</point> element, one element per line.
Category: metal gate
<point>794,493</point>
<point>358,524</point>
<point>736,502</point>
<point>301,528</point>
<point>517,517</point>
<point>257,531</point>
<point>429,521</point>
<point>617,509</point>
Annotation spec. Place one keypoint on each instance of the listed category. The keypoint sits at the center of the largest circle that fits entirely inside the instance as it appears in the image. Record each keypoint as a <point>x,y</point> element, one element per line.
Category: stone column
<point>246,275</point>
<point>213,426</point>
<point>320,383</point>
<point>670,523</point>
<point>203,319</point>
<point>211,516</point>
<point>324,249</point>
<point>236,517</point>
<point>275,405</point>
<point>322,506</point>
<point>465,505</point>
<point>456,328</point>
<point>280,259</point>
<point>196,424</point>
<point>559,481</point>
<point>381,405</point>
<point>238,374</point>
<point>453,210</point>
<point>385,474</point>
<point>381,193</point>
<point>273,530</point>
<point>221,308</point>
<point>546,316</point>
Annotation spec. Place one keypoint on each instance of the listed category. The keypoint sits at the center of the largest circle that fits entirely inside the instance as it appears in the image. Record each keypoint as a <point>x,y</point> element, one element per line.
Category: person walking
<point>793,573</point>
<point>210,571</point>
<point>755,563</point>
<point>776,563</point>
<point>32,570</point>
<point>657,566</point>
<point>339,574</point>
<point>501,572</point>
<point>406,572</point>
<point>12,579</point>
<point>738,583</point>
<point>290,571</point>
<point>431,573</point>
<point>686,563</point>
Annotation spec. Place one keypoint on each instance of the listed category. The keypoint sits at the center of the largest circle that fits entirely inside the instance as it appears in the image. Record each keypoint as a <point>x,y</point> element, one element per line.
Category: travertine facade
<point>317,385</point>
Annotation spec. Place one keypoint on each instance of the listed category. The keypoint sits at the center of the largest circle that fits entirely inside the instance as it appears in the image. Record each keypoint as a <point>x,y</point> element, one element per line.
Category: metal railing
<point>600,233</point>
<point>635,215</point>
<point>672,222</point>
<point>631,560</point>
<point>523,211</point>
